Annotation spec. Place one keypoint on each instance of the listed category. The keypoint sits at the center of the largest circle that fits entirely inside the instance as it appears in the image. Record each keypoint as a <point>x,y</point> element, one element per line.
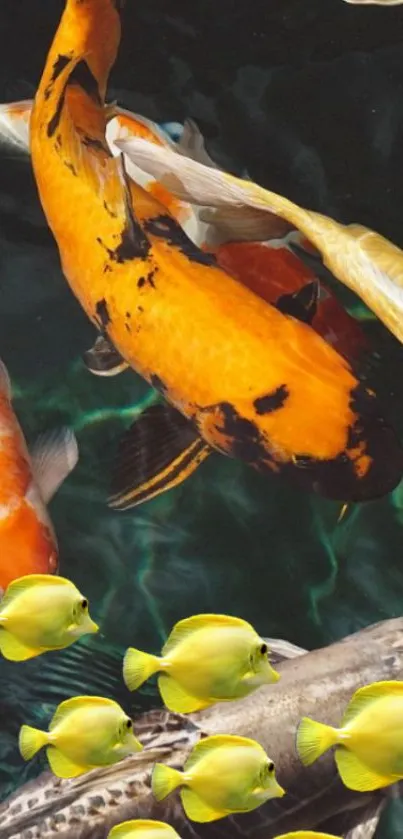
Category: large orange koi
<point>237,375</point>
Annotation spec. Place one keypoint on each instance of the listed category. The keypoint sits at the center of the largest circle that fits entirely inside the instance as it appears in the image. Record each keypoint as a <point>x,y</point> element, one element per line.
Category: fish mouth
<point>278,791</point>
<point>88,627</point>
<point>273,676</point>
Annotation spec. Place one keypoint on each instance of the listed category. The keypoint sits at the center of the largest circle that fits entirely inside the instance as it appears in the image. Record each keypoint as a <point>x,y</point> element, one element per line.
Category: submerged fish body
<point>319,684</point>
<point>27,539</point>
<point>254,383</point>
<point>363,260</point>
<point>272,270</point>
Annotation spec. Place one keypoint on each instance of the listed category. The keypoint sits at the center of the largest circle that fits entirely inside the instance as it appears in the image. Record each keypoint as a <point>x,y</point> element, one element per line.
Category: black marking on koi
<point>61,62</point>
<point>82,76</point>
<point>167,228</point>
<point>53,123</point>
<point>246,440</point>
<point>102,313</point>
<point>71,167</point>
<point>271,401</point>
<point>109,211</point>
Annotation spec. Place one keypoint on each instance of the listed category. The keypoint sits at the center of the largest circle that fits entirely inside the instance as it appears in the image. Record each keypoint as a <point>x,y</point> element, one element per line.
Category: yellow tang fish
<point>143,829</point>
<point>206,659</point>
<point>85,732</point>
<point>224,774</point>
<point>39,613</point>
<point>150,829</point>
<point>369,753</point>
<point>305,834</point>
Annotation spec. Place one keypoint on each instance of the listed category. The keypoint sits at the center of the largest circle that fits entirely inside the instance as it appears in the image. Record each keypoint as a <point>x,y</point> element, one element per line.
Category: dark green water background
<point>307,97</point>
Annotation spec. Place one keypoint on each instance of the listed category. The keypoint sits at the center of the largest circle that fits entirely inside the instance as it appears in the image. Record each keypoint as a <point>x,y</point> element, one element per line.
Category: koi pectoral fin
<point>158,452</point>
<point>103,360</point>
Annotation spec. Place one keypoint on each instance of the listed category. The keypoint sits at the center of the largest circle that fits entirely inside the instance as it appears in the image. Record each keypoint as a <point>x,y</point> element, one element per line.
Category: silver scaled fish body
<point>319,683</point>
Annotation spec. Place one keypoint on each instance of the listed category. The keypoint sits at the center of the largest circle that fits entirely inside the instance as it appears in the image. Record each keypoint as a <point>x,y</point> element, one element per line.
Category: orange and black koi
<point>249,381</point>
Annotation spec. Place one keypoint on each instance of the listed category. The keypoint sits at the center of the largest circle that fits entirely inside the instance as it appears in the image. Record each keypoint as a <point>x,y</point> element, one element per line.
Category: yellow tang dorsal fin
<point>307,834</point>
<point>197,810</point>
<point>78,702</point>
<point>356,775</point>
<point>370,693</point>
<point>184,628</point>
<point>30,581</point>
<point>13,649</point>
<point>176,698</point>
<point>127,829</point>
<point>62,766</point>
<point>208,744</point>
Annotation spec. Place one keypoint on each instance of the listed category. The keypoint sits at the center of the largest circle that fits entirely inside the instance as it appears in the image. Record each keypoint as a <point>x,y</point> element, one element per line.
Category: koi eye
<point>264,649</point>
<point>84,604</point>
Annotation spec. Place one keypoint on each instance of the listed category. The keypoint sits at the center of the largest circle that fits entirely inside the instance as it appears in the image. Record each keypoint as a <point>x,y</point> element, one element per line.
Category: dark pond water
<point>307,98</point>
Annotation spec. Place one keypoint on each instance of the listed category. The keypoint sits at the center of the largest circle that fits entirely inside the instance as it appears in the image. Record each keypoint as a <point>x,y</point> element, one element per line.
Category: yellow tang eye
<point>270,767</point>
<point>264,649</point>
<point>84,604</point>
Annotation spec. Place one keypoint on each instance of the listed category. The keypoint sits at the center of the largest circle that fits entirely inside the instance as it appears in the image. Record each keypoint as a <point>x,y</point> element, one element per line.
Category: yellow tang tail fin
<point>313,739</point>
<point>31,740</point>
<point>164,780</point>
<point>138,667</point>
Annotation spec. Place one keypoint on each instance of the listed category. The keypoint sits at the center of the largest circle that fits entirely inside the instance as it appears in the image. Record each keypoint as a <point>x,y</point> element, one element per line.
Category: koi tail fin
<point>31,740</point>
<point>138,667</point>
<point>165,780</point>
<point>313,739</point>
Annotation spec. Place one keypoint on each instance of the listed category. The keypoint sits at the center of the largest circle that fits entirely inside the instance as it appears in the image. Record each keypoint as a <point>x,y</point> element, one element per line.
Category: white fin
<point>14,125</point>
<point>54,456</point>
<point>281,649</point>
<point>199,184</point>
<point>191,144</point>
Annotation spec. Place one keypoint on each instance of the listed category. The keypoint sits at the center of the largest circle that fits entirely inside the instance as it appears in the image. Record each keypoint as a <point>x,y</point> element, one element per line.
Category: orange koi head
<point>90,29</point>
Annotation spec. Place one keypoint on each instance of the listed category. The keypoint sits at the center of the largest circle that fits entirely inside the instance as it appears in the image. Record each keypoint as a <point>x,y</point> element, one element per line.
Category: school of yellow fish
<point>207,658</point>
